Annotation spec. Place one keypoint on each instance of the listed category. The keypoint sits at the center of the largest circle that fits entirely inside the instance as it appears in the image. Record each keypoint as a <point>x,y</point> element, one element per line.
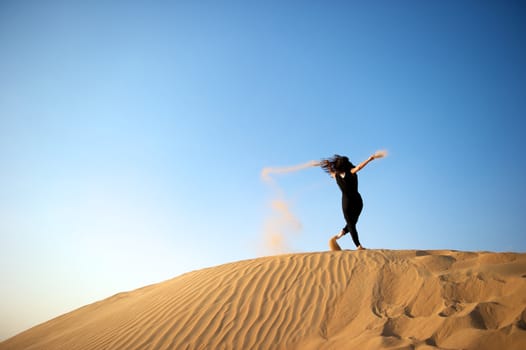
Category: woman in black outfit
<point>340,168</point>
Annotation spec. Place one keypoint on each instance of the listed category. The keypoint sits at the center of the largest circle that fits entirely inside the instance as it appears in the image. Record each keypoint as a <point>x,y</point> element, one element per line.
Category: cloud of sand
<point>278,227</point>
<point>265,173</point>
<point>281,224</point>
<point>381,153</point>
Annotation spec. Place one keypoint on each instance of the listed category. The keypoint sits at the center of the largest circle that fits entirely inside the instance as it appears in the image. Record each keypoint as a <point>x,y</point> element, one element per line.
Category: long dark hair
<point>336,164</point>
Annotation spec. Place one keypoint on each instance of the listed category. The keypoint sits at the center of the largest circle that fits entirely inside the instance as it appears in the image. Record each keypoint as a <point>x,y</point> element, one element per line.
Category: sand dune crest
<point>370,299</point>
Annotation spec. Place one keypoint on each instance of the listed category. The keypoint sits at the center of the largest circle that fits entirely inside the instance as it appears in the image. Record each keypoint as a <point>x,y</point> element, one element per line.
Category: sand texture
<point>374,299</point>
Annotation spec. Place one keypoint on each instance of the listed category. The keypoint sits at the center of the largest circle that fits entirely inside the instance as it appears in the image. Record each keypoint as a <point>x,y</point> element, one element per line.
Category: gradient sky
<point>133,135</point>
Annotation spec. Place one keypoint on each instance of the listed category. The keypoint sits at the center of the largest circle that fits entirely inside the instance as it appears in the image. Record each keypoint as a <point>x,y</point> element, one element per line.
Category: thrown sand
<point>374,299</point>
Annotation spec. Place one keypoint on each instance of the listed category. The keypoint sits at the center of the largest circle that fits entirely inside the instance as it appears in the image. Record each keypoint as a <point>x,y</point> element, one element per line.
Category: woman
<point>341,169</point>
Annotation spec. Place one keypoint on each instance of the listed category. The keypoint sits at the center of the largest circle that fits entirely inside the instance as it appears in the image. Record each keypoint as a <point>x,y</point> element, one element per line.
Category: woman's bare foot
<point>360,248</point>
<point>340,235</point>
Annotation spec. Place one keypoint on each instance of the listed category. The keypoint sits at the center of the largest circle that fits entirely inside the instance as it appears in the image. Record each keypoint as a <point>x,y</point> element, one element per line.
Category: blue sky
<point>133,135</point>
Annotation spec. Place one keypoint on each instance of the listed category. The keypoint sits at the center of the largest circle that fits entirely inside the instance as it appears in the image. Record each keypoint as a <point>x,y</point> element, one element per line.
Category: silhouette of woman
<point>345,173</point>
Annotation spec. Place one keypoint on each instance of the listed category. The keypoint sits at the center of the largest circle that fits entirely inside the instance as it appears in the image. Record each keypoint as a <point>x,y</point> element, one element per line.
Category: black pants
<point>352,207</point>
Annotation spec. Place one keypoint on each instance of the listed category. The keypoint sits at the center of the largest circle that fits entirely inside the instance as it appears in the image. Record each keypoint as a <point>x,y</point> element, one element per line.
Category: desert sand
<point>374,299</point>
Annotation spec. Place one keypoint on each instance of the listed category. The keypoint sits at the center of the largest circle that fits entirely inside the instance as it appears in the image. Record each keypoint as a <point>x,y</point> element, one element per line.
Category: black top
<point>348,184</point>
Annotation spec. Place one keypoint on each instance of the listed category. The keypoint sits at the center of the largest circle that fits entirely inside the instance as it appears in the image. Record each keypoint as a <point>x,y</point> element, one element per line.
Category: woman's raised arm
<point>362,164</point>
<point>377,154</point>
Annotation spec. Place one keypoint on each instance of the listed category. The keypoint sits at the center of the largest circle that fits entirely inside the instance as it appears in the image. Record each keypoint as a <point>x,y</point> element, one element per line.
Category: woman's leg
<point>351,214</point>
<point>354,234</point>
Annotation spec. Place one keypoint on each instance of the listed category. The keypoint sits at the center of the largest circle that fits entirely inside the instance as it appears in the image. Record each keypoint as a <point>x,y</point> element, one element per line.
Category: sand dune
<point>373,299</point>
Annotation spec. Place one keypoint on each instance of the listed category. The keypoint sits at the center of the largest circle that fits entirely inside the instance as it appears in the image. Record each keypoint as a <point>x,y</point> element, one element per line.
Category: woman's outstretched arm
<point>363,164</point>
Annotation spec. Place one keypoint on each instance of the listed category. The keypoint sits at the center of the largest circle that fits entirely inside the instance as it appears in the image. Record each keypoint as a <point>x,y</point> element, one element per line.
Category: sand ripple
<point>371,299</point>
